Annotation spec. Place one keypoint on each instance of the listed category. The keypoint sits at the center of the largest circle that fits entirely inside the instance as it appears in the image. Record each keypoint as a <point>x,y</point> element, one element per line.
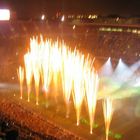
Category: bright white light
<point>122,72</point>
<point>42,17</point>
<point>106,69</point>
<point>135,66</point>
<point>4,14</point>
<point>63,18</point>
<point>120,60</point>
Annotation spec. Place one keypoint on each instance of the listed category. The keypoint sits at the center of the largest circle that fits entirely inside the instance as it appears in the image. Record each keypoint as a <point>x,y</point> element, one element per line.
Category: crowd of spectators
<point>29,124</point>
<point>119,45</point>
<point>14,36</point>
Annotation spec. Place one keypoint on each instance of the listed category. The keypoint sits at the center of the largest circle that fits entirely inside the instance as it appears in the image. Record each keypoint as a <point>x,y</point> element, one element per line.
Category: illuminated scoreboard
<point>4,14</point>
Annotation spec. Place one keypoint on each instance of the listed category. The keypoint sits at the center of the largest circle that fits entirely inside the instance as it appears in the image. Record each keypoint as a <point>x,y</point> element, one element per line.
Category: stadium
<point>70,79</point>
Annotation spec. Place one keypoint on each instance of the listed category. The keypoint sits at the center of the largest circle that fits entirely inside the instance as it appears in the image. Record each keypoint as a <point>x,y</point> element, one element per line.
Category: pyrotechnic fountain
<point>108,112</point>
<point>29,74</point>
<point>91,87</point>
<point>20,73</point>
<point>67,77</point>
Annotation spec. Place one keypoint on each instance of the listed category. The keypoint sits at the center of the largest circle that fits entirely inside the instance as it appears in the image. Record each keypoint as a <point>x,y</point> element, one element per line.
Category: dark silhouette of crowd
<point>19,122</point>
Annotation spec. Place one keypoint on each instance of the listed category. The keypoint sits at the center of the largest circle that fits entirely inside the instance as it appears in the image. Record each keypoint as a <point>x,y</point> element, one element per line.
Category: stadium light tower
<point>63,18</point>
<point>43,17</point>
<point>4,14</point>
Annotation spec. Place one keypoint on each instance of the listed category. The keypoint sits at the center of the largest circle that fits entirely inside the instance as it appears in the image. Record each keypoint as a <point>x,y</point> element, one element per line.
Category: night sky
<point>31,8</point>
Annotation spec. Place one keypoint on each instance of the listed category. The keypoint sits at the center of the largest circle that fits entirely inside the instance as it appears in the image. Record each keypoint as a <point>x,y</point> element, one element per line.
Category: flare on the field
<point>20,72</point>
<point>108,111</point>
